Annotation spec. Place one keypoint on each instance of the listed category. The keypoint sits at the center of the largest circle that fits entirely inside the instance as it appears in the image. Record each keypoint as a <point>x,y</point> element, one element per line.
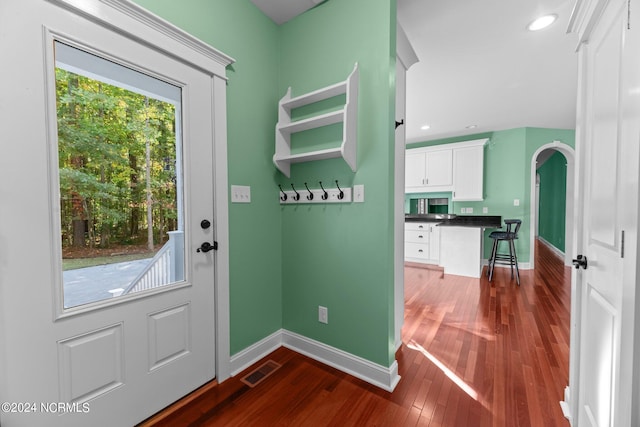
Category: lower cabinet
<point>422,242</point>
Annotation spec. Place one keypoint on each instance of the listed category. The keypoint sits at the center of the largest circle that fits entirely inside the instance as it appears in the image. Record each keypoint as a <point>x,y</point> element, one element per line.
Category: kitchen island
<point>461,240</point>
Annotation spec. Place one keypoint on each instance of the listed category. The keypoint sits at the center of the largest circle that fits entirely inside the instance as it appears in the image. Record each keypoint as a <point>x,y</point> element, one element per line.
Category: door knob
<point>581,261</point>
<point>206,247</point>
<point>205,223</point>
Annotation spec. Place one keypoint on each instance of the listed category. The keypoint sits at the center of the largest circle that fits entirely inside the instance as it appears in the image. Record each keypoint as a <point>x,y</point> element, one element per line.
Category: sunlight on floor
<point>448,372</point>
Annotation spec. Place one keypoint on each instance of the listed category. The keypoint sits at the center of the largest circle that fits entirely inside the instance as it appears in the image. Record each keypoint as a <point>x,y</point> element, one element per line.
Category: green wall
<point>553,190</point>
<point>239,29</point>
<point>507,176</point>
<point>285,261</point>
<point>335,255</point>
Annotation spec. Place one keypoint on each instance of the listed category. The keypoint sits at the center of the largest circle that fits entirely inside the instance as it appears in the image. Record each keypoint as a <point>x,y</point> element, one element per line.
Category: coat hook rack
<point>398,123</point>
<point>325,195</point>
<point>316,195</point>
<point>283,198</point>
<point>341,194</point>
<point>297,196</point>
<point>310,195</point>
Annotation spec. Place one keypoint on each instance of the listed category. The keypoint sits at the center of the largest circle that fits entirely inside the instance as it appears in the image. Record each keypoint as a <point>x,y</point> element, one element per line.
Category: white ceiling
<point>478,64</point>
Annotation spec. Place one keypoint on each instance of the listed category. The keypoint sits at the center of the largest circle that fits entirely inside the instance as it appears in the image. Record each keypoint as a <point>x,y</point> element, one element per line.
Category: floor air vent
<point>259,374</point>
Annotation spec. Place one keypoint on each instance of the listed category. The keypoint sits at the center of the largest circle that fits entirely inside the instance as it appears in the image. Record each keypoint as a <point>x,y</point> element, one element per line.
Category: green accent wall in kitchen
<point>553,186</point>
<point>285,261</point>
<point>507,176</point>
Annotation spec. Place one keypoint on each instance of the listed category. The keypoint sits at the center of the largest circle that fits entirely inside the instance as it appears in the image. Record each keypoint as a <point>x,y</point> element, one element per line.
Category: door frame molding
<point>569,154</point>
<point>135,22</point>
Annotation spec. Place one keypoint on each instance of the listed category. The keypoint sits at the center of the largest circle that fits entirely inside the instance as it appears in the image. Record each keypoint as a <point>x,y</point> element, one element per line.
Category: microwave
<point>434,205</point>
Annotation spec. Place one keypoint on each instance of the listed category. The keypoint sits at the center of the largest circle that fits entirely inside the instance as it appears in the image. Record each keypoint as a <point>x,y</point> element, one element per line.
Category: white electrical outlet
<point>323,314</point>
<point>240,194</point>
<point>485,210</point>
<point>516,202</point>
<point>358,193</point>
<point>469,210</point>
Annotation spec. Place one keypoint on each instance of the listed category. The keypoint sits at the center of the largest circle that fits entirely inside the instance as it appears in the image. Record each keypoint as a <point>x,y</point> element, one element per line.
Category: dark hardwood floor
<point>474,353</point>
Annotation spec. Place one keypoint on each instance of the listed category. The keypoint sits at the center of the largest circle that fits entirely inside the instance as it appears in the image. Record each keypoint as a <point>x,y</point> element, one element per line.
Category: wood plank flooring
<point>474,353</point>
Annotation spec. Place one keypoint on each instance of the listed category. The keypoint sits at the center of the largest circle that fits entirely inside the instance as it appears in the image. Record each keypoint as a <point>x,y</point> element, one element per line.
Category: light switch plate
<point>358,193</point>
<point>516,202</point>
<point>240,194</point>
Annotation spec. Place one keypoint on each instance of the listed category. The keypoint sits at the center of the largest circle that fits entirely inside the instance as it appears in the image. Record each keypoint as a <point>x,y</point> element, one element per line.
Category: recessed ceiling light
<point>425,127</point>
<point>471,126</point>
<point>542,22</point>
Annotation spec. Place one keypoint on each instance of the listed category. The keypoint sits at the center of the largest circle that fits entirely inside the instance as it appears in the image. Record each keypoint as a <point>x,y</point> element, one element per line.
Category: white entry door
<point>608,147</point>
<point>71,354</point>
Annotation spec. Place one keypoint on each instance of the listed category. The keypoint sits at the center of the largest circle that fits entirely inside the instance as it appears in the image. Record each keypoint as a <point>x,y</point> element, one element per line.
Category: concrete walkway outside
<point>85,285</point>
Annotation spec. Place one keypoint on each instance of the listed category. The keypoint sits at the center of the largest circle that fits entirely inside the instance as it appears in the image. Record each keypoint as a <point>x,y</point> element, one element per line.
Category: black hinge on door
<point>622,245</point>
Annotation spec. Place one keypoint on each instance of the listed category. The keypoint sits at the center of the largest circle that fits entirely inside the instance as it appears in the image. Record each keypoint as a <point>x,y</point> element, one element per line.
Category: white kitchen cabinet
<point>429,170</point>
<point>468,173</point>
<point>347,115</point>
<point>422,242</point>
<point>458,168</point>
<point>434,244</point>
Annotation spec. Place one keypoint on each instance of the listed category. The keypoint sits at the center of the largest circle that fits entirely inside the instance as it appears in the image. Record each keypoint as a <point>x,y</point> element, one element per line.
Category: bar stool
<point>511,233</point>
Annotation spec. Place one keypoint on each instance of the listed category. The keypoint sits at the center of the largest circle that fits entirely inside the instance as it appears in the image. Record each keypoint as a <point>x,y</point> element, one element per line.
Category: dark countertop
<point>482,221</point>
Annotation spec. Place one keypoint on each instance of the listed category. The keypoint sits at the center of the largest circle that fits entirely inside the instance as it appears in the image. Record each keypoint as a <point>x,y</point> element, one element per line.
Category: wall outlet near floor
<point>240,194</point>
<point>485,210</point>
<point>323,314</point>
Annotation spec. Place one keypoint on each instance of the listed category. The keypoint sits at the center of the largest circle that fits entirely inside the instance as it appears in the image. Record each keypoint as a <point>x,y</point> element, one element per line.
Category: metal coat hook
<point>398,123</point>
<point>325,195</point>
<point>284,195</point>
<point>310,196</point>
<point>297,196</point>
<point>341,195</point>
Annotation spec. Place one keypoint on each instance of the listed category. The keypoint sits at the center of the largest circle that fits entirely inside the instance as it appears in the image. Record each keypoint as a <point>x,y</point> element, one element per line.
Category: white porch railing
<point>166,267</point>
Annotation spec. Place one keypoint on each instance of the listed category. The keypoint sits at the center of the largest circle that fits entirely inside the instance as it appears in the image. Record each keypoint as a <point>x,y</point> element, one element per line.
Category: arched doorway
<point>569,154</point>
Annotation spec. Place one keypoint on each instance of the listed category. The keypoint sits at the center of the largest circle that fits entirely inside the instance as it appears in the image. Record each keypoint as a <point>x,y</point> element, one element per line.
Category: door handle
<point>206,247</point>
<point>581,261</point>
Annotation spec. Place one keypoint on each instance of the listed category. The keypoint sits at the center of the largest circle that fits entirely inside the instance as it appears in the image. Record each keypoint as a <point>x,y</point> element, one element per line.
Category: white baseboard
<point>566,406</point>
<point>555,250</point>
<point>250,355</point>
<point>380,376</point>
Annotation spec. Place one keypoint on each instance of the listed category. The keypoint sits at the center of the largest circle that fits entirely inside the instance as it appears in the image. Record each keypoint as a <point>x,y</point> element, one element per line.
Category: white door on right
<point>608,161</point>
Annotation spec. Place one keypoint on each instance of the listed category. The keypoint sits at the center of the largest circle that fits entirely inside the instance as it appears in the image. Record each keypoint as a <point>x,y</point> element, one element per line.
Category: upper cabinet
<point>347,115</point>
<point>432,169</point>
<point>468,173</point>
<point>458,168</point>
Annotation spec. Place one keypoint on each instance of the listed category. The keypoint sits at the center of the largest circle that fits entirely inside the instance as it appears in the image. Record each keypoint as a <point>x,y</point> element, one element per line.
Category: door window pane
<point>119,159</point>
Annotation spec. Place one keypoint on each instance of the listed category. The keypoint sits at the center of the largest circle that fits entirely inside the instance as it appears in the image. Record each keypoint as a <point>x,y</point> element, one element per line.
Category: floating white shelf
<point>347,116</point>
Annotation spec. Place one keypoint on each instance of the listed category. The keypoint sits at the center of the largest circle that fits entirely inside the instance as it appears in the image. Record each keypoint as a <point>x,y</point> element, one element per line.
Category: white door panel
<point>115,362</point>
<point>599,400</point>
